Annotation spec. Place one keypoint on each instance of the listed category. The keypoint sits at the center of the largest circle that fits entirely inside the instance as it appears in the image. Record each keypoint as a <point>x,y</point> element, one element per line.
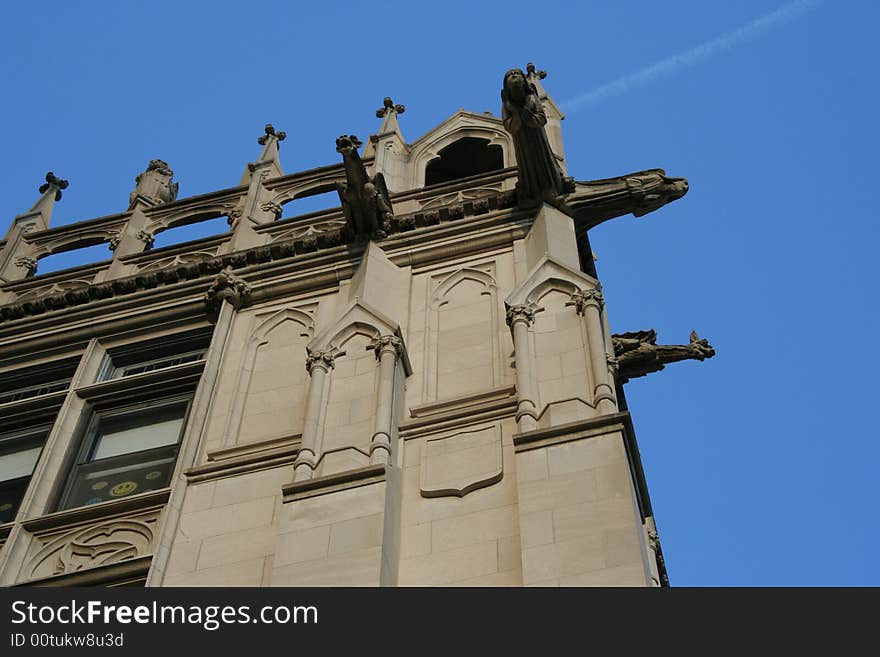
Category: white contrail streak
<point>670,65</point>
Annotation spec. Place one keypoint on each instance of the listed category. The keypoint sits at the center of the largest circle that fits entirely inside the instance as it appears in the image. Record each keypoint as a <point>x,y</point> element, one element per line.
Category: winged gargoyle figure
<point>365,200</point>
<point>638,353</point>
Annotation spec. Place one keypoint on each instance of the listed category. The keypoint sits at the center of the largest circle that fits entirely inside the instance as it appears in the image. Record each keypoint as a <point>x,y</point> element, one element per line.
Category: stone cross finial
<point>53,181</point>
<point>530,69</point>
<point>270,130</point>
<point>388,106</point>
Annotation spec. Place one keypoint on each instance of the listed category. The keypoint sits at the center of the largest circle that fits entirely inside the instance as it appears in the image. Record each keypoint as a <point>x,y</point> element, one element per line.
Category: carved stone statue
<point>540,177</point>
<point>639,193</point>
<point>365,201</point>
<point>638,353</point>
<point>154,185</point>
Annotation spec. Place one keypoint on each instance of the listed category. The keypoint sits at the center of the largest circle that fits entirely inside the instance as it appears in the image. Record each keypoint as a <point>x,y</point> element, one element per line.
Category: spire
<point>268,156</point>
<point>390,127</point>
<point>17,257</point>
<point>37,218</point>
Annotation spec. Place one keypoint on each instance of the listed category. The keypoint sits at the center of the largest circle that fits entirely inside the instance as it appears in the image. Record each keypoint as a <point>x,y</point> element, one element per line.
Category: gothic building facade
<point>419,386</point>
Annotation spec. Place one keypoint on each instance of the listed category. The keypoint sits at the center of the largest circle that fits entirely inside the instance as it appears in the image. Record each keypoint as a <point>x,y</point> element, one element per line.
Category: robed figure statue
<point>540,177</point>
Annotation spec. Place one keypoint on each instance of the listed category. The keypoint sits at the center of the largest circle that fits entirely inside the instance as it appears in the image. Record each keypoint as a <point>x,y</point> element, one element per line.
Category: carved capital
<point>270,131</point>
<point>582,299</point>
<point>146,237</point>
<point>323,360</point>
<point>227,287</point>
<point>26,262</point>
<point>522,313</point>
<point>387,344</point>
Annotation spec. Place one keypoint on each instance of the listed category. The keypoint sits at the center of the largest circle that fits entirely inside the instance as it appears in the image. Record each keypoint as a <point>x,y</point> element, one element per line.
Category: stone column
<point>589,304</point>
<point>318,364</point>
<point>388,348</point>
<point>519,319</point>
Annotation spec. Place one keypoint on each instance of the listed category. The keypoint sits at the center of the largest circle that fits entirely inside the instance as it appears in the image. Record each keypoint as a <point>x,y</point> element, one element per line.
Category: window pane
<point>18,464</point>
<point>10,497</point>
<point>124,477</point>
<point>137,437</point>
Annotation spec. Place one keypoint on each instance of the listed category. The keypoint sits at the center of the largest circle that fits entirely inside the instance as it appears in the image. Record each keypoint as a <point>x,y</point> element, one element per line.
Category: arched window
<point>469,156</point>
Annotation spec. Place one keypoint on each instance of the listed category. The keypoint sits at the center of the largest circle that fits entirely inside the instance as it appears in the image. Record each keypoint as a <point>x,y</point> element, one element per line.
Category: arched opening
<point>75,257</point>
<point>196,228</point>
<point>317,199</point>
<point>469,156</point>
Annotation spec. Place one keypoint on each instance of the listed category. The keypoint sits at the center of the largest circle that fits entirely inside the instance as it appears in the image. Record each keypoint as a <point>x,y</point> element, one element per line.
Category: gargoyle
<point>365,200</point>
<point>638,353</point>
<point>595,201</point>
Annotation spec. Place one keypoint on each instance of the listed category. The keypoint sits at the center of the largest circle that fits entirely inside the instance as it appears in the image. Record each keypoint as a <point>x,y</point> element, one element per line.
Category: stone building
<point>418,386</point>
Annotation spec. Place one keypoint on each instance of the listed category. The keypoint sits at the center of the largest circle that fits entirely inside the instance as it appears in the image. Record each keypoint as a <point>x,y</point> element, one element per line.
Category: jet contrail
<point>664,67</point>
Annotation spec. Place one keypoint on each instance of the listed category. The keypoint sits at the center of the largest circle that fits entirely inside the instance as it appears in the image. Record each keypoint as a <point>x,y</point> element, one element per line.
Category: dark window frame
<point>83,464</point>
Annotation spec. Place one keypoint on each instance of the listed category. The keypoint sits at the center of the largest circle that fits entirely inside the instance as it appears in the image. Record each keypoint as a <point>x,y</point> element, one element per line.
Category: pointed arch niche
<point>462,346</point>
<point>269,397</point>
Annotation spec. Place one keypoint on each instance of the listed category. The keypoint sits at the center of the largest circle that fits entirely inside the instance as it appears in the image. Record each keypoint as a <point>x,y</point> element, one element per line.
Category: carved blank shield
<point>463,462</point>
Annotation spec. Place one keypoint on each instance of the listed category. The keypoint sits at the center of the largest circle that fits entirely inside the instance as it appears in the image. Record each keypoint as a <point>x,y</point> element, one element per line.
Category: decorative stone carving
<point>540,177</point>
<point>27,262</point>
<point>638,193</point>
<point>530,70</point>
<point>114,241</point>
<point>227,287</point>
<point>55,288</point>
<point>366,202</point>
<point>324,360</point>
<point>194,257</point>
<point>613,364</point>
<point>146,237</point>
<point>583,298</point>
<point>233,217</point>
<point>453,466</point>
<point>388,107</point>
<point>653,190</point>
<point>273,208</point>
<point>154,185</point>
<point>387,343</point>
<point>53,181</point>
<point>100,543</point>
<point>473,194</point>
<point>522,313</point>
<point>639,354</point>
<point>270,131</point>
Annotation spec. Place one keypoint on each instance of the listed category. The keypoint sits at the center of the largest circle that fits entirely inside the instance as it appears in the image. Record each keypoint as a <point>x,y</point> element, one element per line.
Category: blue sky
<point>762,461</point>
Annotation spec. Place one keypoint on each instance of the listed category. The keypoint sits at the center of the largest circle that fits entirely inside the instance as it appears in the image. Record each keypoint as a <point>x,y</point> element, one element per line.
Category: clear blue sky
<point>761,462</point>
